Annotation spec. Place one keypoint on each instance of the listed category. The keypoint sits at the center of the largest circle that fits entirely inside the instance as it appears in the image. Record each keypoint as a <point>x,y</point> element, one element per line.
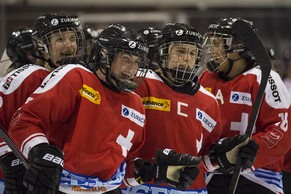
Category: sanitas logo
<point>156,103</point>
<point>91,94</point>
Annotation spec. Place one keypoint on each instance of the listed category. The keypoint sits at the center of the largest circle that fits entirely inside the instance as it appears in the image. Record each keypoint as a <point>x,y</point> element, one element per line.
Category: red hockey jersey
<point>187,123</point>
<point>15,88</point>
<point>96,127</point>
<point>236,99</point>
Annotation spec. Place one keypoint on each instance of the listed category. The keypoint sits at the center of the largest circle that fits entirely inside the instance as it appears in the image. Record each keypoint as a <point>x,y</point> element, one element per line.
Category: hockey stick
<point>13,147</point>
<point>253,42</point>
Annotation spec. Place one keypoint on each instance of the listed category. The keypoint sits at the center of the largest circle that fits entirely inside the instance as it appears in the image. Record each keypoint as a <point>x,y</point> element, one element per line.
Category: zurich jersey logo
<point>133,115</point>
<point>125,111</point>
<point>199,114</point>
<point>235,97</point>
<point>207,122</point>
<point>240,98</point>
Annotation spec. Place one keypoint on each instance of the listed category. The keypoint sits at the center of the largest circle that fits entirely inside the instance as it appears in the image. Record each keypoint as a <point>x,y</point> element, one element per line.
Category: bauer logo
<point>90,94</point>
<point>156,103</point>
<point>240,98</point>
<point>207,122</point>
<point>133,115</point>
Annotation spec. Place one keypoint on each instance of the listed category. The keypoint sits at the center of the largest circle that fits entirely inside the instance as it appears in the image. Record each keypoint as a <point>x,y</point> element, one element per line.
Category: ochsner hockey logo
<point>207,122</point>
<point>133,115</point>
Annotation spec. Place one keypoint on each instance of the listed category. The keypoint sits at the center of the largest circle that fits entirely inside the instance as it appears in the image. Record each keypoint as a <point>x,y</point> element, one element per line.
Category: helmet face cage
<point>220,41</point>
<point>58,37</point>
<point>66,42</point>
<point>127,69</point>
<point>180,52</point>
<point>216,47</point>
<point>20,45</point>
<point>180,60</point>
<point>119,52</point>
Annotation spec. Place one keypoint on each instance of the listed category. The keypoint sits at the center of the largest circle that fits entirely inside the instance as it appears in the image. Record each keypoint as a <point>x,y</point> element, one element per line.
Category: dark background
<point>272,17</point>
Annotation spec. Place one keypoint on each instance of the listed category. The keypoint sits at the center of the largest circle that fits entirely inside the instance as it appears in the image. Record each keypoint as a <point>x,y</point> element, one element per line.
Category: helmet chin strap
<point>225,75</point>
<point>120,84</point>
<point>49,61</point>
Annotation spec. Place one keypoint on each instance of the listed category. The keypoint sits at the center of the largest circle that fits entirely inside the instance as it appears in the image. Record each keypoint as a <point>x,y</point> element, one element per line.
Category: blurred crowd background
<point>272,17</point>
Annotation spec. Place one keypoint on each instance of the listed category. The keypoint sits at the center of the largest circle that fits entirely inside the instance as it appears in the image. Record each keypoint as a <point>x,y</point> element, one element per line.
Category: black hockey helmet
<point>91,35</point>
<point>48,24</point>
<point>111,41</point>
<point>184,35</point>
<point>152,37</point>
<point>20,44</point>
<point>222,29</point>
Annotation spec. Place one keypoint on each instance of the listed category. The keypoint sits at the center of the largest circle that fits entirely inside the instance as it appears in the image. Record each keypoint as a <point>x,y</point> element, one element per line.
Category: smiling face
<point>182,56</point>
<point>219,50</point>
<point>62,44</point>
<point>125,66</point>
<point>181,61</point>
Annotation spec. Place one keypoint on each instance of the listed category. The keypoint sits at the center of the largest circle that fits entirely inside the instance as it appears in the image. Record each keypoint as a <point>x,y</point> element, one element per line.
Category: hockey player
<point>90,123</point>
<point>180,113</point>
<point>20,83</point>
<point>152,37</point>
<point>234,78</point>
<point>20,49</point>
